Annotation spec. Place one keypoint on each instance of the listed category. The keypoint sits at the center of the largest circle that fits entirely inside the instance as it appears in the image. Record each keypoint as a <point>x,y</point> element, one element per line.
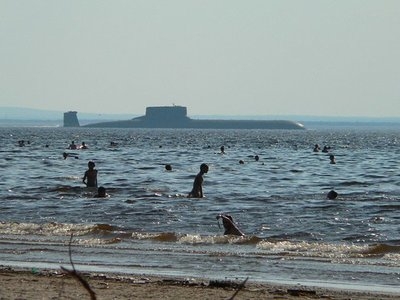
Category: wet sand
<point>57,284</point>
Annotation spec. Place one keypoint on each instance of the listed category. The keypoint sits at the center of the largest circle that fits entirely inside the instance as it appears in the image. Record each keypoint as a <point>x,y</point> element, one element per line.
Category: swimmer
<point>222,150</point>
<point>65,155</point>
<point>168,167</point>
<point>241,162</point>
<point>83,146</point>
<point>90,177</point>
<point>257,158</point>
<point>316,148</point>
<point>101,192</point>
<point>229,225</point>
<point>326,149</point>
<point>332,159</point>
<point>72,146</point>
<point>332,195</point>
<point>197,191</point>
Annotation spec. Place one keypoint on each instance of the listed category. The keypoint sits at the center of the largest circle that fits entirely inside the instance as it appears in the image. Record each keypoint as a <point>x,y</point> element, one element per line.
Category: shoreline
<point>58,284</point>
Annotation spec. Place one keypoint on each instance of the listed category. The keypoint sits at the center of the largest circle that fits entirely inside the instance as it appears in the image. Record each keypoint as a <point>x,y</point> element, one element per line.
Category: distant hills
<point>28,116</point>
<point>18,113</point>
<point>17,116</point>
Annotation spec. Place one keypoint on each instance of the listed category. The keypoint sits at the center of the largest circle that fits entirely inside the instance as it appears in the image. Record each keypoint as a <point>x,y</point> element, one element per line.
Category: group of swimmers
<point>73,146</point>
<point>90,175</point>
<point>331,194</point>
<point>90,180</point>
<point>22,143</point>
<point>197,192</point>
<point>317,148</point>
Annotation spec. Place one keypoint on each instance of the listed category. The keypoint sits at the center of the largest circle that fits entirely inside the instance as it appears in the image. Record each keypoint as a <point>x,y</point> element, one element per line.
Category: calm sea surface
<point>148,226</point>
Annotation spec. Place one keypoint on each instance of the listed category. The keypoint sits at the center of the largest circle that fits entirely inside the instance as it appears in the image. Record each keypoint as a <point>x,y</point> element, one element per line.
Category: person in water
<point>197,191</point>
<point>101,192</point>
<point>229,225</point>
<point>83,146</point>
<point>316,148</point>
<point>332,159</point>
<point>332,195</point>
<point>326,149</point>
<point>90,177</point>
<point>66,155</point>
<point>72,146</point>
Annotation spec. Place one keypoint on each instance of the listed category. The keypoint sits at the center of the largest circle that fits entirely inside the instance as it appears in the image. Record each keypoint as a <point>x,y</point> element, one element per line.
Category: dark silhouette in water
<point>101,192</point>
<point>90,176</point>
<point>229,225</point>
<point>66,155</point>
<point>332,195</point>
<point>326,149</point>
<point>72,146</point>
<point>176,117</point>
<point>197,191</point>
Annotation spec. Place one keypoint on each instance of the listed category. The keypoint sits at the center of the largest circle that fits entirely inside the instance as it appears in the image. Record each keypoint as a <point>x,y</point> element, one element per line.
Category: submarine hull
<point>176,117</point>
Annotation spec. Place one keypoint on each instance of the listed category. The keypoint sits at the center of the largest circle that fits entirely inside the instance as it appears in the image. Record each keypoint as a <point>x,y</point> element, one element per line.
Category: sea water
<point>147,225</point>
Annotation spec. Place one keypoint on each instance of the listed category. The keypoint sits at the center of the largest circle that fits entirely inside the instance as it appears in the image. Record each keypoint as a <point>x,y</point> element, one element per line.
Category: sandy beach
<point>57,284</point>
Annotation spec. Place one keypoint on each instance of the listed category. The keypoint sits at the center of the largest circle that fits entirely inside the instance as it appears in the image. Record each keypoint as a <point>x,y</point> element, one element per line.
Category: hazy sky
<point>322,57</point>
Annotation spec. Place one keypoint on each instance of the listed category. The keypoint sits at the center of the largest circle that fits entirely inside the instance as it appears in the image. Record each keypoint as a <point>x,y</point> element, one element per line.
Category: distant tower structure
<point>71,119</point>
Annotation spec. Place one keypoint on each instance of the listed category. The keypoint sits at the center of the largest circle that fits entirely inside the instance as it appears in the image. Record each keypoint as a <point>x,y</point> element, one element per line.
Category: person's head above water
<point>332,195</point>
<point>101,192</point>
<point>168,167</point>
<point>204,168</point>
<point>91,165</point>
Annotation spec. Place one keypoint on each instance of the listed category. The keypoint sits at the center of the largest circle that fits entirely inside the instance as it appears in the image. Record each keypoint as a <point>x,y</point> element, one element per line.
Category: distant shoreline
<point>26,115</point>
<point>307,124</point>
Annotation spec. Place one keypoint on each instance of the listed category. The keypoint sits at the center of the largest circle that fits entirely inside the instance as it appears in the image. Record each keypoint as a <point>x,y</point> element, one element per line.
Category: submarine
<point>176,117</point>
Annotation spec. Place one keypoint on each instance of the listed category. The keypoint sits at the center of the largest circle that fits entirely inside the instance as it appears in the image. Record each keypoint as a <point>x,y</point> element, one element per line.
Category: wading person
<point>90,177</point>
<point>197,191</point>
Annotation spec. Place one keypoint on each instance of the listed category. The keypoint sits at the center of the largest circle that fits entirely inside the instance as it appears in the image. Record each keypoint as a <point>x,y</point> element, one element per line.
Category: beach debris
<point>184,282</point>
<point>76,275</point>
<point>241,286</point>
<point>300,292</point>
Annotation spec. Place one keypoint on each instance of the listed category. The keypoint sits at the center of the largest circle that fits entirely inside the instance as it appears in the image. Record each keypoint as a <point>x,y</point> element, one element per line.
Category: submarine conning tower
<point>165,117</point>
<point>166,112</point>
<point>71,119</point>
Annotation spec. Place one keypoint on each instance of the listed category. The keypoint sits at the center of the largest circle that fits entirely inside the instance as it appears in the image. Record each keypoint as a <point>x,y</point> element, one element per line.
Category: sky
<point>217,57</point>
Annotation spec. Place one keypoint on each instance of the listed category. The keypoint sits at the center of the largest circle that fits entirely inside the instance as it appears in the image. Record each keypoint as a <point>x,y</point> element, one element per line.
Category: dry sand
<point>56,284</point>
